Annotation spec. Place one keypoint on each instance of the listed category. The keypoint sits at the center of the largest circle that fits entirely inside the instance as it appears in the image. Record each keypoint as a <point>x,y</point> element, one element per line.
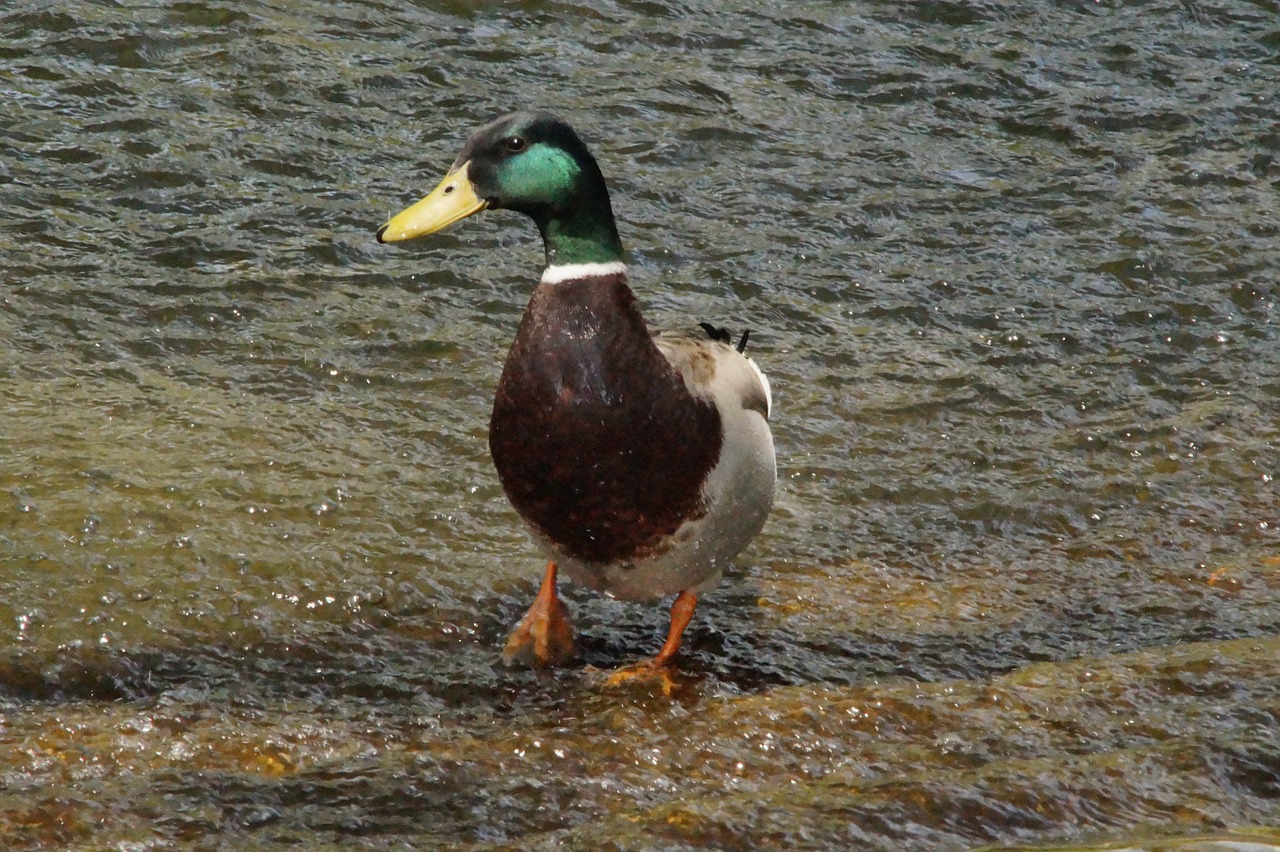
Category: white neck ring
<point>559,273</point>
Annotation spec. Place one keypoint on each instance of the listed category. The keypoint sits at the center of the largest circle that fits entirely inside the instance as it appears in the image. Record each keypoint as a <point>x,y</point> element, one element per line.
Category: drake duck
<point>642,463</point>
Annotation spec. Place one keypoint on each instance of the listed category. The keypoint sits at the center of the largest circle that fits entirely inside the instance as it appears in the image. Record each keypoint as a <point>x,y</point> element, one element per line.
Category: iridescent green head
<point>533,163</point>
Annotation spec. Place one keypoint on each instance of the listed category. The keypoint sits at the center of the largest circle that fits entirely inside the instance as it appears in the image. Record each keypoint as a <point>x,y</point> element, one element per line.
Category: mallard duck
<point>642,463</point>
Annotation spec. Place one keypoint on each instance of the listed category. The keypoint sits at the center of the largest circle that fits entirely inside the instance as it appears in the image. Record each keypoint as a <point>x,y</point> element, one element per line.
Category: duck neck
<point>583,231</point>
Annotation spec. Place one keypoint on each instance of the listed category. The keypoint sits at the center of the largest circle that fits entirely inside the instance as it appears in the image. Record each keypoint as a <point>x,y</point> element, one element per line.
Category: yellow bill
<point>455,198</point>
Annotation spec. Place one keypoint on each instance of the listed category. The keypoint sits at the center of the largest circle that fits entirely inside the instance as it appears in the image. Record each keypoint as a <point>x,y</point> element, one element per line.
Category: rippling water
<point>1012,269</point>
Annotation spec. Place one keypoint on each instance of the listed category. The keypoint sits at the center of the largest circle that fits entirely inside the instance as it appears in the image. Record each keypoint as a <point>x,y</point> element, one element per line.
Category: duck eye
<point>515,144</point>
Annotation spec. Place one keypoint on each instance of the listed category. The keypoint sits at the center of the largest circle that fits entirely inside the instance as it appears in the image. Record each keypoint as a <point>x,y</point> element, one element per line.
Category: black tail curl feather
<point>722,335</point>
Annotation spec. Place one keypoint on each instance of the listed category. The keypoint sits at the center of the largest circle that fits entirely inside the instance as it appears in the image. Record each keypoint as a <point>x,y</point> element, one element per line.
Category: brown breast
<point>597,441</point>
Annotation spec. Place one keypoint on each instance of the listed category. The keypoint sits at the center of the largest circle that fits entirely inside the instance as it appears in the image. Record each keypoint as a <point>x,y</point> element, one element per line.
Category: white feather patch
<point>764,383</point>
<point>560,273</point>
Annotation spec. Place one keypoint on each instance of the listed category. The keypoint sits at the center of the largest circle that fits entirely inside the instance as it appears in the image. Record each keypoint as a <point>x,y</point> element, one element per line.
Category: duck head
<point>533,163</point>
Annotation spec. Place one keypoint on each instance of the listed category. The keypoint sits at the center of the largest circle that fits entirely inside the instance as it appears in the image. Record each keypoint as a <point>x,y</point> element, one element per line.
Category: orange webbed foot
<point>659,670</point>
<point>544,637</point>
<point>644,674</point>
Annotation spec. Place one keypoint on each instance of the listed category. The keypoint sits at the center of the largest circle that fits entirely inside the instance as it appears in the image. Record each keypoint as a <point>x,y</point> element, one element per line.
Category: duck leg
<point>681,614</point>
<point>657,669</point>
<point>544,637</point>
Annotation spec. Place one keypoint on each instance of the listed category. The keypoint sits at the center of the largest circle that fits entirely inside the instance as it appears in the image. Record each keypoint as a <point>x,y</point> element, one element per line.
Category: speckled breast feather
<point>596,438</point>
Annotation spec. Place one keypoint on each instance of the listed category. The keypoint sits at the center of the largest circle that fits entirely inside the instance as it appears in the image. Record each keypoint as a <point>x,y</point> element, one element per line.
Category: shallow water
<point>1012,271</point>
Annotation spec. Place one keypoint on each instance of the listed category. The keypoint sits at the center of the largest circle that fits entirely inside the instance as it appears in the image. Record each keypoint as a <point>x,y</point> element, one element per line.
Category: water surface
<point>1012,270</point>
